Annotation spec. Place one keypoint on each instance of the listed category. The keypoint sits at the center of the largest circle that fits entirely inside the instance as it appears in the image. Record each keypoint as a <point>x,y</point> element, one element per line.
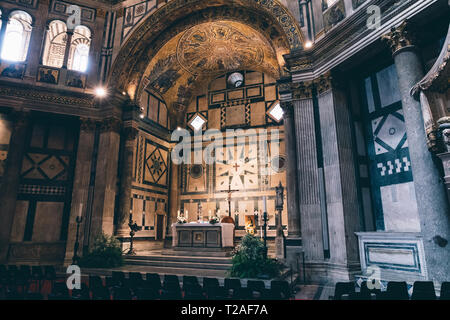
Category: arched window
<point>79,49</point>
<point>80,57</point>
<point>55,44</point>
<point>17,36</point>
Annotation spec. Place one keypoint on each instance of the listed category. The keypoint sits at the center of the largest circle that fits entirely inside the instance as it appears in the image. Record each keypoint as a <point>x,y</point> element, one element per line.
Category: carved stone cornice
<point>399,38</point>
<point>288,109</point>
<point>46,96</point>
<point>111,125</point>
<point>87,124</point>
<point>302,90</point>
<point>300,63</point>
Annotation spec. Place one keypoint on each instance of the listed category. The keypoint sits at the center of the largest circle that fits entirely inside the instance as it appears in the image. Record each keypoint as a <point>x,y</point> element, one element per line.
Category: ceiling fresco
<point>275,26</point>
<point>217,47</point>
<point>191,59</point>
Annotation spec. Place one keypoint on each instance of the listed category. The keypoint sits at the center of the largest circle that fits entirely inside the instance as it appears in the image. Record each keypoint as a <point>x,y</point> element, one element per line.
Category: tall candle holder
<point>76,258</point>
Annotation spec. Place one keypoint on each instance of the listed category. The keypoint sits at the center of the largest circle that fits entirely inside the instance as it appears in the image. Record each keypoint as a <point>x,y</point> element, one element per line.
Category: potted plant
<point>250,261</point>
<point>214,220</point>
<point>181,219</point>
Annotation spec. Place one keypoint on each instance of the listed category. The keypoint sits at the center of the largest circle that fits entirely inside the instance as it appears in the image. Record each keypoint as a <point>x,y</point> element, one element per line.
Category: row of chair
<point>153,288</point>
<point>395,290</point>
<point>15,283</point>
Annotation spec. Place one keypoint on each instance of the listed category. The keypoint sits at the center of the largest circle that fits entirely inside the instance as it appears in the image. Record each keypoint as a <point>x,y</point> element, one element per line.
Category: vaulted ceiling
<point>191,59</point>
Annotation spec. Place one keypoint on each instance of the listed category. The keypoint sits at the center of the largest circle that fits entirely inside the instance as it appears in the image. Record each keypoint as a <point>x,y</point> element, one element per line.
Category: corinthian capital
<point>302,90</point>
<point>288,110</point>
<point>399,38</point>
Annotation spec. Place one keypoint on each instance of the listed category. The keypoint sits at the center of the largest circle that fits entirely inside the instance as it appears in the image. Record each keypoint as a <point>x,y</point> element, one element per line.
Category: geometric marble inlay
<point>156,165</point>
<point>43,166</point>
<point>389,133</point>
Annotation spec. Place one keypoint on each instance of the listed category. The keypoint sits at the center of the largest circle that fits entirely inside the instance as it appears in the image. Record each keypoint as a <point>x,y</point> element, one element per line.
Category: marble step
<point>197,252</point>
<point>170,258</point>
<point>181,264</point>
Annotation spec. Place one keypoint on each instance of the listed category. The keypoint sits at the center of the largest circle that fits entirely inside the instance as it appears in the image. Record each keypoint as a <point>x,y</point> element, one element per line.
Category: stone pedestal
<point>11,179</point>
<point>430,191</point>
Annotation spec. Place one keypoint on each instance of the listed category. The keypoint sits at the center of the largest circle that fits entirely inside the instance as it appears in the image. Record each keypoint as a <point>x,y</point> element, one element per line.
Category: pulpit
<point>202,235</point>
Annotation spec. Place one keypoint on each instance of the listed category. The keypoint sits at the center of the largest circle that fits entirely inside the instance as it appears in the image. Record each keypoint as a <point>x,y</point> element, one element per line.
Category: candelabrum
<point>265,233</point>
<point>133,229</point>
<point>76,258</point>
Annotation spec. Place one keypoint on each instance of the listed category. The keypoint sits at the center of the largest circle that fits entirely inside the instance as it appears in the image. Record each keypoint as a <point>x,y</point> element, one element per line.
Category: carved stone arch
<point>267,16</point>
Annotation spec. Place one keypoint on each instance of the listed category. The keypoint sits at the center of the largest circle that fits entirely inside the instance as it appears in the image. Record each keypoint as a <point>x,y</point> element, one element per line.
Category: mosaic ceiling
<point>191,59</point>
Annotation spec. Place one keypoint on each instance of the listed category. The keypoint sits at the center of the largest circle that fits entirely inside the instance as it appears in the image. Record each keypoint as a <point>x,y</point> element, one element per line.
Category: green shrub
<point>106,252</point>
<point>249,260</point>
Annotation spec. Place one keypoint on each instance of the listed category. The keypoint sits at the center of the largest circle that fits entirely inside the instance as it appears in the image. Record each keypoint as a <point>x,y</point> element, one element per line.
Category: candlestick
<point>178,214</point>
<point>187,216</point>
<point>264,204</point>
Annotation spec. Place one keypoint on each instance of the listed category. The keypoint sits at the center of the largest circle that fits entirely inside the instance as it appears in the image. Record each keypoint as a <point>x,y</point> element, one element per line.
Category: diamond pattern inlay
<point>389,132</point>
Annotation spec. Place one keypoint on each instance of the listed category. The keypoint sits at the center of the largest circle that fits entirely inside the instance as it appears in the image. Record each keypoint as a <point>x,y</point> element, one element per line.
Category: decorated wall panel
<point>253,163</point>
<point>391,177</point>
<point>44,196</point>
<point>150,184</point>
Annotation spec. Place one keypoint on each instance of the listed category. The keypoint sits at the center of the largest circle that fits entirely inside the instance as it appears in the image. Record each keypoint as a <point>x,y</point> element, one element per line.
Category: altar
<point>202,235</point>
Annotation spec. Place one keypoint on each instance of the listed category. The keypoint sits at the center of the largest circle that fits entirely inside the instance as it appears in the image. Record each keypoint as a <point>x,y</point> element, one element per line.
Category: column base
<point>330,272</point>
<point>294,252</point>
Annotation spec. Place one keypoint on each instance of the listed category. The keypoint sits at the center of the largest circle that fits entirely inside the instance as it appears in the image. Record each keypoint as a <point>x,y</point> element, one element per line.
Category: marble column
<point>293,241</point>
<point>308,181</point>
<point>4,19</point>
<point>37,39</point>
<point>105,189</point>
<point>126,178</point>
<point>341,193</point>
<point>11,179</point>
<point>430,192</point>
<point>69,34</point>
<point>174,193</point>
<point>291,172</point>
<point>80,186</point>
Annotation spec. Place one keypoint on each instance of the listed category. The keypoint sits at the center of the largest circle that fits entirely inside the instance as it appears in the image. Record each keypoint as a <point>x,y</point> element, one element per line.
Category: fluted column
<point>291,172</point>
<point>340,184</point>
<point>104,196</point>
<point>308,180</point>
<point>11,179</point>
<point>129,135</point>
<point>430,192</point>
<point>81,181</point>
